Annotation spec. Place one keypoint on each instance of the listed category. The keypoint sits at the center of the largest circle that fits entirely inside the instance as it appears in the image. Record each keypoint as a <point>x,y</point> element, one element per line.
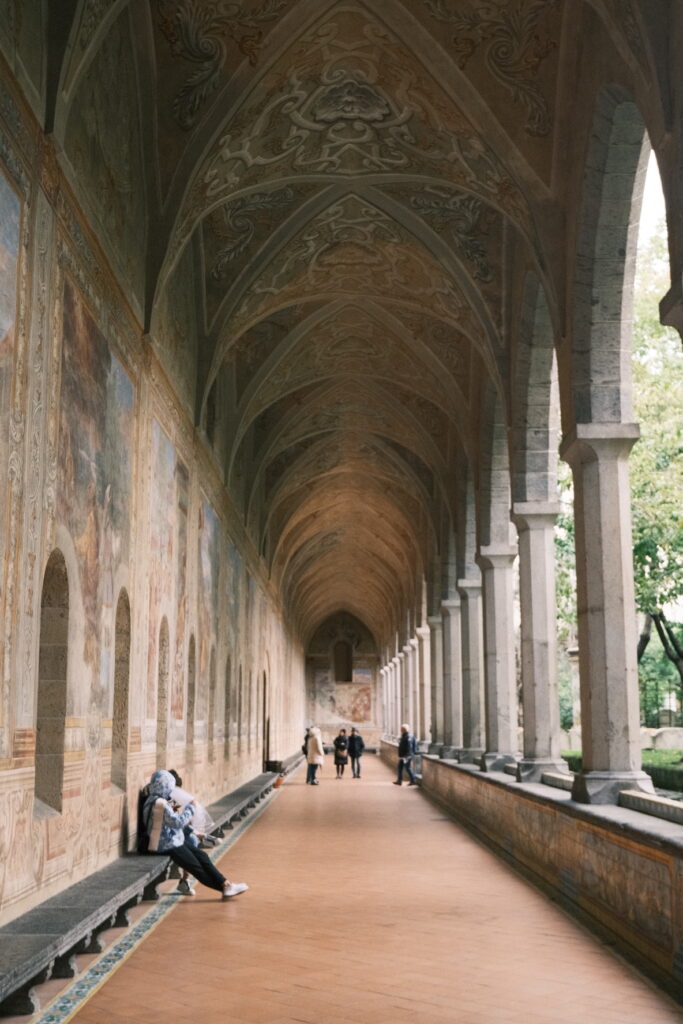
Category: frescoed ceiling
<point>356,186</point>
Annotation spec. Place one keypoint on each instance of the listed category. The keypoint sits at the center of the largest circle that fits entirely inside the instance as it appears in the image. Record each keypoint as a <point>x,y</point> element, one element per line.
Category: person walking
<point>407,748</point>
<point>341,752</point>
<point>165,828</point>
<point>315,755</point>
<point>356,748</point>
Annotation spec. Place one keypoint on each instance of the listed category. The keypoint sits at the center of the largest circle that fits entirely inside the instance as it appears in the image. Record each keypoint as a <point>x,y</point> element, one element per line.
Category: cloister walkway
<point>368,905</point>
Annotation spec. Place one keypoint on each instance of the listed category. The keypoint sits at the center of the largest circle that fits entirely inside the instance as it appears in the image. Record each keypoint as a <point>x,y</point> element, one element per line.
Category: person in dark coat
<point>356,748</point>
<point>406,751</point>
<point>341,752</point>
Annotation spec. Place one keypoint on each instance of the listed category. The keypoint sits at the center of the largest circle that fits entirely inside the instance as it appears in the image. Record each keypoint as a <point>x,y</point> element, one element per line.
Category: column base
<point>532,769</point>
<point>493,761</point>
<point>449,753</point>
<point>471,755</point>
<point>424,747</point>
<point>435,748</point>
<point>605,787</point>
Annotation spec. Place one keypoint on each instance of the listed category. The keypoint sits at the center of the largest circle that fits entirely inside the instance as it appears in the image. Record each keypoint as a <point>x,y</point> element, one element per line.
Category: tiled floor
<point>368,905</point>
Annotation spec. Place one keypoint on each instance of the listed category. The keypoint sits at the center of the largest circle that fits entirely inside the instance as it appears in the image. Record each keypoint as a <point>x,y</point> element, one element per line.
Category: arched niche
<point>212,705</point>
<point>52,684</point>
<point>162,693</point>
<point>119,744</point>
<point>191,693</point>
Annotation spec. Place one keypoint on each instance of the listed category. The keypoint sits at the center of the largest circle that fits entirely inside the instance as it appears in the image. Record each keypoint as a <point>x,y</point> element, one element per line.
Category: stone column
<point>398,694</point>
<point>495,563</point>
<point>610,716</point>
<point>436,690</point>
<point>452,678</point>
<point>535,522</point>
<point>409,686</point>
<point>472,627</point>
<point>385,700</point>
<point>423,686</point>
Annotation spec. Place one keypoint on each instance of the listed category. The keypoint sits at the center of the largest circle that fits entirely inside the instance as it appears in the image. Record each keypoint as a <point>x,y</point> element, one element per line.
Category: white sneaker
<point>234,889</point>
<point>184,888</point>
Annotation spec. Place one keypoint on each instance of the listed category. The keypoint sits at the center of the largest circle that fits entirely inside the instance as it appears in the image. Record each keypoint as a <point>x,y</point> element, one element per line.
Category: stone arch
<point>191,694</point>
<point>535,410</point>
<point>212,706</point>
<point>162,693</point>
<point>606,249</point>
<point>51,703</point>
<point>119,751</point>
<point>494,474</point>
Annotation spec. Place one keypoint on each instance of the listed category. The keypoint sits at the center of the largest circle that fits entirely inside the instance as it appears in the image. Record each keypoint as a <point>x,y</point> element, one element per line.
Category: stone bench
<point>236,805</point>
<point>44,942</point>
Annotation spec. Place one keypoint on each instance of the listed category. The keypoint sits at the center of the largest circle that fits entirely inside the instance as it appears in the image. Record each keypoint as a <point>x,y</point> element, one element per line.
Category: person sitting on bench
<point>165,828</point>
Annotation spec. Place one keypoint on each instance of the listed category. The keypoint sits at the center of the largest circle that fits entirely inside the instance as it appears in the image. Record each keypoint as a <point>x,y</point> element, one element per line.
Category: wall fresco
<point>167,551</point>
<point>95,475</point>
<point>208,598</point>
<point>10,215</point>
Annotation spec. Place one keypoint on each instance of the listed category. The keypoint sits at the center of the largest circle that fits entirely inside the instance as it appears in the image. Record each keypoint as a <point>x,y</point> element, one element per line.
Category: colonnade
<point>455,680</point>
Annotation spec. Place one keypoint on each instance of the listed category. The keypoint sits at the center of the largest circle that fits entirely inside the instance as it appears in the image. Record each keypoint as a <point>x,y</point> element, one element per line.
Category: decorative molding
<point>510,33</point>
<point>198,33</point>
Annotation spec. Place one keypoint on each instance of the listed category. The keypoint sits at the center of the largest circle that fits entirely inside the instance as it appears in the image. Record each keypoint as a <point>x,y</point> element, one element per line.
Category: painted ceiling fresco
<point>349,185</point>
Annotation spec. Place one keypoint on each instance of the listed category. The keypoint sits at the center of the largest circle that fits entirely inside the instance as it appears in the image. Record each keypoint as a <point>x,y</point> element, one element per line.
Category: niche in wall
<point>52,675</point>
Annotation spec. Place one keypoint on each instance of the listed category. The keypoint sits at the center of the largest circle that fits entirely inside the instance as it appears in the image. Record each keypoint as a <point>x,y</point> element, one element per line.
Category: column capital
<point>413,644</point>
<point>496,556</point>
<point>422,632</point>
<point>590,441</point>
<point>400,657</point>
<point>407,649</point>
<point>450,604</point>
<point>535,515</point>
<point>435,622</point>
<point>469,588</point>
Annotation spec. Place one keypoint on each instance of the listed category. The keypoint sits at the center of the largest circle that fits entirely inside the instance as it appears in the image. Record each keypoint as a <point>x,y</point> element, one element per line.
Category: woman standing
<point>315,754</point>
<point>341,752</point>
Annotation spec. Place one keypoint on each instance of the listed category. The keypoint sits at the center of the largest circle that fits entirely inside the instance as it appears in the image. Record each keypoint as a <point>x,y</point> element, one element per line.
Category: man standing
<point>356,748</point>
<point>406,751</point>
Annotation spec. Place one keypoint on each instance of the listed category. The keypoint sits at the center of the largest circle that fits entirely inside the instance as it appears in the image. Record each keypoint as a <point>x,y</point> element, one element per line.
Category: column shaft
<point>472,627</point>
<point>535,522</point>
<point>610,717</point>
<point>499,657</point>
<point>436,696</point>
<point>452,677</point>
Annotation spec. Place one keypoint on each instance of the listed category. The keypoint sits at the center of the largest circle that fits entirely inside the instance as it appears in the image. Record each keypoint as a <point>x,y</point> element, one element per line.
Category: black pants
<point>191,858</point>
<point>355,765</point>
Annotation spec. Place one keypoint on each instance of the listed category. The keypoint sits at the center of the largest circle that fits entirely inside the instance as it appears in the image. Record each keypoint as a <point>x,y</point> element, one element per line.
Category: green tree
<point>656,463</point>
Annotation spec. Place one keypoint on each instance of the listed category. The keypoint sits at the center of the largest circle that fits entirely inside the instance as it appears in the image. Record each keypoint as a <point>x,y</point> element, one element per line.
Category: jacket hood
<point>161,784</point>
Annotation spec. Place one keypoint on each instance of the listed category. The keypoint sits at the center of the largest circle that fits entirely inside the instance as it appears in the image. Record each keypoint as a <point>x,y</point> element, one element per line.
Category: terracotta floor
<point>367,905</point>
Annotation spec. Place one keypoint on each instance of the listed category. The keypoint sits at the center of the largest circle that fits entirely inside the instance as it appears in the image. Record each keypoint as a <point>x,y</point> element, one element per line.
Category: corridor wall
<point>139,628</point>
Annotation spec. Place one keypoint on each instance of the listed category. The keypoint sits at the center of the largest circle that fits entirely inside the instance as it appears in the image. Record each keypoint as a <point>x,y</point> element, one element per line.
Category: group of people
<point>351,747</point>
<point>172,822</point>
<point>345,747</point>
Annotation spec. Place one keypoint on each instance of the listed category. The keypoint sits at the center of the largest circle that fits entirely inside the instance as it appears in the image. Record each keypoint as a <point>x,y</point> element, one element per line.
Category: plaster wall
<point>100,460</point>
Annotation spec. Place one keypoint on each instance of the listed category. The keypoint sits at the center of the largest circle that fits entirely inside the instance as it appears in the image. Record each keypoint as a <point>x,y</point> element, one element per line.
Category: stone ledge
<point>559,781</point>
<point>657,806</point>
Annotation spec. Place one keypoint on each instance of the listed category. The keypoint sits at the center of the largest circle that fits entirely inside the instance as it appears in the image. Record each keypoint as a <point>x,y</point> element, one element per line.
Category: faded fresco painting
<point>168,561</point>
<point>95,475</point>
<point>235,570</point>
<point>10,217</point>
<point>354,701</point>
<point>208,598</point>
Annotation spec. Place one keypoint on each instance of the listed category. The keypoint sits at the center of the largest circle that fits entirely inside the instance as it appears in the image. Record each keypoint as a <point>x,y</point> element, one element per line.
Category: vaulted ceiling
<point>322,212</point>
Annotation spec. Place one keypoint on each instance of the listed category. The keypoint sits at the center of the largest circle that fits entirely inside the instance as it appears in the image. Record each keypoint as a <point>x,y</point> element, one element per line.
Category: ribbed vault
<point>337,195</point>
